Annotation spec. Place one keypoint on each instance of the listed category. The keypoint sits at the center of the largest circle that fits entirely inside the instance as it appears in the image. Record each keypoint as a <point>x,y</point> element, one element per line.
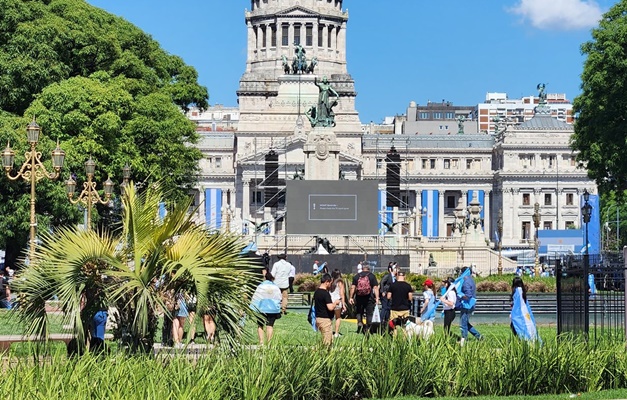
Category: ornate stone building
<point>452,185</point>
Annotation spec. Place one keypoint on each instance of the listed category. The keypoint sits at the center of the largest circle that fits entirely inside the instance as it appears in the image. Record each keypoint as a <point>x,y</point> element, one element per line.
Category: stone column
<point>516,201</point>
<point>342,42</point>
<point>487,214</point>
<point>246,199</point>
<point>441,222</point>
<point>290,41</point>
<point>315,28</point>
<point>419,216</point>
<point>251,44</point>
<point>325,36</point>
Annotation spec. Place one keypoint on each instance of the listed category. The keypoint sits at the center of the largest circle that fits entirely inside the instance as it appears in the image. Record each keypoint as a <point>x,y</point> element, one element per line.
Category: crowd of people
<point>380,307</point>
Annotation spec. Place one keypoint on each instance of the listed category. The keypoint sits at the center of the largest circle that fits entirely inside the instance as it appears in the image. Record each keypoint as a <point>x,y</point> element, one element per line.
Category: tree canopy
<point>101,87</point>
<point>601,109</point>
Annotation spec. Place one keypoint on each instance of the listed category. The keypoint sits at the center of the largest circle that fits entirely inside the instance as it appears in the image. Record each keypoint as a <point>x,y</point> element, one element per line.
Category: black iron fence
<point>591,295</point>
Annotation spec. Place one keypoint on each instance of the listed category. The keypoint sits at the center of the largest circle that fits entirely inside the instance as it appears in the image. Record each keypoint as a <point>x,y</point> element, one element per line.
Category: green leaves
<point>601,127</point>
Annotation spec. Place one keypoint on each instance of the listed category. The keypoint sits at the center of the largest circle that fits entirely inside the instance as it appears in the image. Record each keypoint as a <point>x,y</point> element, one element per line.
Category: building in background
<point>459,165</point>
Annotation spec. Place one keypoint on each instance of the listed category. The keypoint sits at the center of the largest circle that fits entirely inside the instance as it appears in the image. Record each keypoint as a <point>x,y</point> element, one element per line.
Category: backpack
<point>363,285</point>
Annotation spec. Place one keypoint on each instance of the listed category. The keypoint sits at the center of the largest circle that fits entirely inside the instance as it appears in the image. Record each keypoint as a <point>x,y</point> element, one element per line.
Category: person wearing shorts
<point>267,302</point>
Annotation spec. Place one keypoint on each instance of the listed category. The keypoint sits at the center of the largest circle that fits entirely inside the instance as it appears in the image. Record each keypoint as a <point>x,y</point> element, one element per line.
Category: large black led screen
<point>332,208</point>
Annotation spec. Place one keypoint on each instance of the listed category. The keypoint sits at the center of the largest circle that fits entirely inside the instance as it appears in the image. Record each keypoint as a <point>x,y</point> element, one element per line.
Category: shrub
<point>302,277</point>
<point>486,286</point>
<point>538,287</point>
<point>308,286</point>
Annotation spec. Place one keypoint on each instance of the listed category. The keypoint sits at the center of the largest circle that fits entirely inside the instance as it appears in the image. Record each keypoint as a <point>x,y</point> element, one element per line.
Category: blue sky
<point>401,51</point>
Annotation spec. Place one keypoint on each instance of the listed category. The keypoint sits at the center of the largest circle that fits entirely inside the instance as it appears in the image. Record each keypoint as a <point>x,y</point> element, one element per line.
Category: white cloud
<point>559,14</point>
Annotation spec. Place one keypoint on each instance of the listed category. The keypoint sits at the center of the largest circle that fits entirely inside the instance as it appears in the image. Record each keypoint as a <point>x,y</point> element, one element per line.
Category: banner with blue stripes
<point>480,197</point>
<point>213,208</point>
<point>385,213</point>
<point>430,223</point>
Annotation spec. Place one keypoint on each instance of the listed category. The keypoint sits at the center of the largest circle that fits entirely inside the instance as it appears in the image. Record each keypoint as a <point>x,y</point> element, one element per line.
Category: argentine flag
<point>457,284</point>
<point>522,318</point>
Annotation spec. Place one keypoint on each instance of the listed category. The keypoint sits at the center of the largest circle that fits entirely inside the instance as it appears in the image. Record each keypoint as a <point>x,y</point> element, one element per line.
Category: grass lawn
<point>606,394</point>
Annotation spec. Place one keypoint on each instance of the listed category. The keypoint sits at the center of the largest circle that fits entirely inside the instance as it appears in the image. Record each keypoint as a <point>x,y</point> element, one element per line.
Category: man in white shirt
<point>281,273</point>
<point>314,268</point>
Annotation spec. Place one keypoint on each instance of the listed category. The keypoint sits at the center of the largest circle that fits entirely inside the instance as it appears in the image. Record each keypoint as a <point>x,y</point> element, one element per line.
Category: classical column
<point>315,28</point>
<point>251,44</point>
<point>290,40</point>
<point>465,198</point>
<point>487,214</point>
<point>325,36</point>
<point>342,42</point>
<point>441,222</point>
<point>246,199</point>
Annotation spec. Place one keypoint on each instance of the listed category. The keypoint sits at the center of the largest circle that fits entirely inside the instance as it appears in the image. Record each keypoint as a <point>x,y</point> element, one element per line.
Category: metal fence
<point>591,295</point>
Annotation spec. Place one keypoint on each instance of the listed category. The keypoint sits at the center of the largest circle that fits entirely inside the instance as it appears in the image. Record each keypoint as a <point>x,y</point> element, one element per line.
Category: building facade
<point>445,173</point>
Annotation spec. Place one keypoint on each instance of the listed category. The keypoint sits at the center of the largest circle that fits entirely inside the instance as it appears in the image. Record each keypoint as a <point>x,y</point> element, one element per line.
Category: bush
<point>308,286</point>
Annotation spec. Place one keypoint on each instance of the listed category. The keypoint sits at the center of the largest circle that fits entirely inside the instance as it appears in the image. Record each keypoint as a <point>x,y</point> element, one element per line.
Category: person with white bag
<point>400,295</point>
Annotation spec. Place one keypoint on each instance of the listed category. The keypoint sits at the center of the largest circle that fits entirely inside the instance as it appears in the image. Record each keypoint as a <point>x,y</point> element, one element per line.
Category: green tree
<point>134,269</point>
<point>601,126</point>
<point>100,86</point>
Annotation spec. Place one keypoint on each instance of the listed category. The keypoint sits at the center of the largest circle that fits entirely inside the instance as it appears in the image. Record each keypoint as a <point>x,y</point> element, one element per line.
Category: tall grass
<point>381,367</point>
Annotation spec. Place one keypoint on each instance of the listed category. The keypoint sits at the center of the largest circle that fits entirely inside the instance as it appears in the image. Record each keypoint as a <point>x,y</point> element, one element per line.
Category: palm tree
<point>134,269</point>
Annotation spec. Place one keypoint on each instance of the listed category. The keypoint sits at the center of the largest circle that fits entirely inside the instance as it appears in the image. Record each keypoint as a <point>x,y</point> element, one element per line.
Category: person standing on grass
<point>325,308</point>
<point>449,299</point>
<point>428,300</point>
<point>523,324</point>
<point>386,282</point>
<point>364,294</point>
<point>179,320</point>
<point>399,295</point>
<point>337,291</point>
<point>468,295</point>
<point>281,273</point>
<point>266,301</point>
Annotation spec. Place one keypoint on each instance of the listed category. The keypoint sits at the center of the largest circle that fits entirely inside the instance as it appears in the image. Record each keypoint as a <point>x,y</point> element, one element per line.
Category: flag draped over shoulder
<point>457,284</point>
<point>522,318</point>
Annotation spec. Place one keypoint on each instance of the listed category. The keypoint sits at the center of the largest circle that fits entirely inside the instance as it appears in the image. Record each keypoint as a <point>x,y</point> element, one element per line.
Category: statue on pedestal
<point>322,114</point>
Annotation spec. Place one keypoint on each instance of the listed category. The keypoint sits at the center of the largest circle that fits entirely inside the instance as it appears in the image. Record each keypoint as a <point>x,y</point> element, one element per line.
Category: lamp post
<point>499,226</point>
<point>228,212</point>
<point>586,212</point>
<point>89,195</point>
<point>126,177</point>
<point>33,170</point>
<point>536,243</point>
<point>421,215</point>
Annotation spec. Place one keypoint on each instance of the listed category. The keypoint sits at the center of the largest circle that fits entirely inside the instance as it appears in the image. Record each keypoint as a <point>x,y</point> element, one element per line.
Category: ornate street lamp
<point>126,175</point>
<point>586,212</point>
<point>89,195</point>
<point>536,242</point>
<point>421,215</point>
<point>499,226</point>
<point>33,171</point>
<point>228,211</point>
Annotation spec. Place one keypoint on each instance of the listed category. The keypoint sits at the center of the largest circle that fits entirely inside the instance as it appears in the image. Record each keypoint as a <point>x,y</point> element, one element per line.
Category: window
<point>424,115</point>
<point>437,115</point>
<point>455,163</point>
<point>218,162</point>
<point>548,225</point>
<point>379,163</point>
<point>309,35</point>
<point>526,230</point>
<point>320,35</point>
<point>330,36</point>
<point>263,36</point>
<point>450,115</point>
<point>569,199</point>
<point>526,199</point>
<point>432,163</point>
<point>552,160</point>
<point>425,163</point>
<point>547,199</point>
<point>570,225</point>
<point>573,161</point>
<point>256,197</point>
<point>450,202</point>
<point>447,163</point>
<point>285,35</point>
<point>468,163</point>
<point>273,35</point>
<point>296,34</point>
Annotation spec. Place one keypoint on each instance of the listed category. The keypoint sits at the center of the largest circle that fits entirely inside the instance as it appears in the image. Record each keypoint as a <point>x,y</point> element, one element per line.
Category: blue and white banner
<point>213,208</point>
<point>385,213</point>
<point>522,318</point>
<point>430,223</point>
<point>162,211</point>
<point>457,285</point>
<point>480,197</point>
